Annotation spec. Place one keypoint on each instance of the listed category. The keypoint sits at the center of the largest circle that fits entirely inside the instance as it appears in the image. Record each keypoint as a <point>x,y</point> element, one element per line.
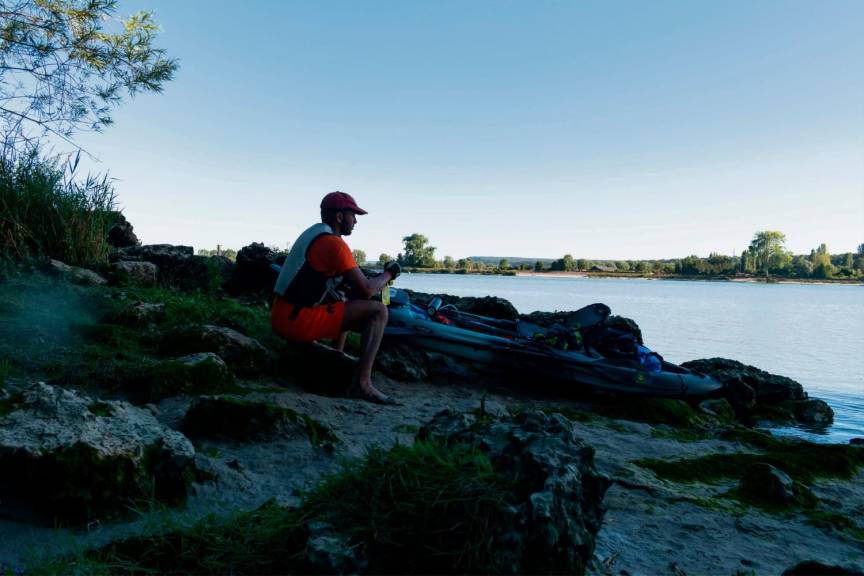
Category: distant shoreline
<point>746,279</point>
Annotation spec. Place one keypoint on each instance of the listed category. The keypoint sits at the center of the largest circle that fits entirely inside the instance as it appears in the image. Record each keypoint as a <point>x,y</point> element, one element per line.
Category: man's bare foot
<point>370,394</point>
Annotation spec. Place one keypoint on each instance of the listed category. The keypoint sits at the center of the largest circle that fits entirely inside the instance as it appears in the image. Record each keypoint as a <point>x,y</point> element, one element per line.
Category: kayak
<point>578,358</point>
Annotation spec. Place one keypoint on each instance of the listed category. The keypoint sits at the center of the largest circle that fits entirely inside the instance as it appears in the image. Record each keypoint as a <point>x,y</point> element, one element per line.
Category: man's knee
<point>381,312</point>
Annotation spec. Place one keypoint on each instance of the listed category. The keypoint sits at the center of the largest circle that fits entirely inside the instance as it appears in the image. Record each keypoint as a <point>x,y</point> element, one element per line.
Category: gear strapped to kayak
<point>585,354</point>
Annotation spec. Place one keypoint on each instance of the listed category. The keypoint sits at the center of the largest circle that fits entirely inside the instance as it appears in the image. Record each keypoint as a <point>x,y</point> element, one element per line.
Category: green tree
<point>504,264</point>
<point>384,258</point>
<point>449,263</point>
<point>417,253</point>
<point>61,71</point>
<point>359,256</point>
<point>767,249</point>
<point>538,266</point>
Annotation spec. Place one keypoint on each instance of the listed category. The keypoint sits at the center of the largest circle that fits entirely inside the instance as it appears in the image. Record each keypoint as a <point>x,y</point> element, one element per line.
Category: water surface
<point>813,333</point>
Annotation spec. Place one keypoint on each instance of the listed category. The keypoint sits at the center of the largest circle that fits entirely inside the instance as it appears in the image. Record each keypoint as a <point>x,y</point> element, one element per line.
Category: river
<point>813,333</point>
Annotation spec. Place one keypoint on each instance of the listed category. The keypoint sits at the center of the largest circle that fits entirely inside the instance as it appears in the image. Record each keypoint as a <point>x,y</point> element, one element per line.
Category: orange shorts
<point>312,323</point>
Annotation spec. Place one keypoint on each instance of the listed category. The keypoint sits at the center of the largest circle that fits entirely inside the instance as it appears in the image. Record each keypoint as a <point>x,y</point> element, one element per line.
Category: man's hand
<point>393,268</point>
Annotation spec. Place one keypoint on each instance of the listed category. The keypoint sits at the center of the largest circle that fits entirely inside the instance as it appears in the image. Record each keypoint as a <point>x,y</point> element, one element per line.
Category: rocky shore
<point>147,404</point>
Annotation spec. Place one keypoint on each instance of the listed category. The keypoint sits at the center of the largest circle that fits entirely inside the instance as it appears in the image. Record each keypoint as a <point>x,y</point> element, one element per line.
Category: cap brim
<point>359,210</point>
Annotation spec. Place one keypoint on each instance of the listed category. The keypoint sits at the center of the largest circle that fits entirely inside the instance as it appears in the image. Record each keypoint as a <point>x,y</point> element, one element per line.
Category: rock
<point>253,272</point>
<point>719,408</point>
<point>329,551</point>
<point>165,256</point>
<point>856,441</point>
<point>141,314</point>
<point>251,421</point>
<point>769,388</point>
<point>145,273</point>
<point>245,355</point>
<point>318,367</point>
<point>740,394</point>
<point>553,527</point>
<point>202,373</point>
<point>490,306</point>
<point>811,411</point>
<point>625,325</point>
<point>768,484</point>
<point>817,568</point>
<point>205,273</point>
<point>121,234</point>
<point>76,274</point>
<point>67,457</point>
<point>401,362</point>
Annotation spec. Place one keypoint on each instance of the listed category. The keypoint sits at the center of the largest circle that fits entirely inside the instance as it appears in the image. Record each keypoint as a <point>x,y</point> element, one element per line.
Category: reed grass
<point>47,211</point>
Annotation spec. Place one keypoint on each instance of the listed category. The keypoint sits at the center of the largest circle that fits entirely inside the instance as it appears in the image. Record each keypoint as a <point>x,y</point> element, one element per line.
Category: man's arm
<point>367,287</point>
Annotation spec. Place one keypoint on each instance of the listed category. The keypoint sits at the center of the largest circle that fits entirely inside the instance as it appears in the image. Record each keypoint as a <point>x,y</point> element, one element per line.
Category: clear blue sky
<point>600,129</point>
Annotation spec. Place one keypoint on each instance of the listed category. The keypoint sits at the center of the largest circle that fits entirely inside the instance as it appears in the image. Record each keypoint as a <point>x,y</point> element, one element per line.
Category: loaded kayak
<point>585,356</point>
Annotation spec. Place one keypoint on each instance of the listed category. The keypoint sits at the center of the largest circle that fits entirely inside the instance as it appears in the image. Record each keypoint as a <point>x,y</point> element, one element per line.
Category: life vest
<point>301,284</point>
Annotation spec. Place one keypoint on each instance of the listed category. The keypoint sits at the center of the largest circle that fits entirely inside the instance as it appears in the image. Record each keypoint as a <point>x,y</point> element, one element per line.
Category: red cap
<point>341,201</point>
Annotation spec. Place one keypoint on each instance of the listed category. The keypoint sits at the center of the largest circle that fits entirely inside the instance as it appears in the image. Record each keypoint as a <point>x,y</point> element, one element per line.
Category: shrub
<point>46,212</point>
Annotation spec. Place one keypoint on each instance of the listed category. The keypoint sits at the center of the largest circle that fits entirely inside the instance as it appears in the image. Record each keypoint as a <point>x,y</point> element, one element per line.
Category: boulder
<point>812,411</point>
<point>140,314</point>
<point>253,273</point>
<point>121,233</point>
<point>765,483</point>
<point>318,367</point>
<point>719,408</point>
<point>165,256</point>
<point>145,273</point>
<point>201,373</point>
<point>205,273</point>
<point>331,551</point>
<point>625,325</point>
<point>552,528</point>
<point>66,457</point>
<point>76,274</point>
<point>817,568</point>
<point>490,306</point>
<point>401,362</point>
<point>245,355</point>
<point>856,441</point>
<point>251,421</point>
<point>769,388</point>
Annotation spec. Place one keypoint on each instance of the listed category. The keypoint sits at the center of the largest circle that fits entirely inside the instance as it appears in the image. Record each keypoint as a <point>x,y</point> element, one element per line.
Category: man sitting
<point>309,303</point>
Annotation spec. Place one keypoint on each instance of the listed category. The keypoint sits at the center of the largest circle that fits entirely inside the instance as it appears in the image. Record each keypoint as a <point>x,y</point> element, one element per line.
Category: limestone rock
<point>329,551</point>
<point>67,457</point>
<point>202,373</point>
<point>141,314</point>
<point>768,484</point>
<point>318,367</point>
<point>121,233</point>
<point>405,363</point>
<point>720,408</point>
<point>812,411</point>
<point>553,529</point>
<point>769,388</point>
<point>145,273</point>
<point>856,441</point>
<point>817,568</point>
<point>253,273</point>
<point>245,355</point>
<point>76,274</point>
<point>205,273</point>
<point>490,306</point>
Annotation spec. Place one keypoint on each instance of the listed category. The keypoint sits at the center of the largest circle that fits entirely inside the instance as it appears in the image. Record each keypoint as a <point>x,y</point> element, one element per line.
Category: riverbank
<point>751,279</point>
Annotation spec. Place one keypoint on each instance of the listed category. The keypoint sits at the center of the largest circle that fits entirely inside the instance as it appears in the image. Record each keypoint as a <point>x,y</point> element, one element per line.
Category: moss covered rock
<point>250,421</point>
<point>68,458</point>
<point>202,373</point>
<point>245,355</point>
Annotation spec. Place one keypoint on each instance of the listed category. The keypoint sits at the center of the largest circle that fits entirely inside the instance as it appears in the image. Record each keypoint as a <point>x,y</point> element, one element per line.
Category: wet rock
<point>245,355</point>
<point>817,568</point>
<point>145,273</point>
<point>76,274</point>
<point>769,388</point>
<point>318,367</point>
<point>625,325</point>
<point>812,411</point>
<point>251,421</point>
<point>719,408</point>
<point>253,273</point>
<point>202,373</point>
<point>768,484</point>
<point>121,233</point>
<point>856,441</point>
<point>551,530</point>
<point>67,457</point>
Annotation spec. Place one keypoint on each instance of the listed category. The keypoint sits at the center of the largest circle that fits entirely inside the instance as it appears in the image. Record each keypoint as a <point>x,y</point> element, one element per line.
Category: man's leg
<point>340,341</point>
<point>368,317</point>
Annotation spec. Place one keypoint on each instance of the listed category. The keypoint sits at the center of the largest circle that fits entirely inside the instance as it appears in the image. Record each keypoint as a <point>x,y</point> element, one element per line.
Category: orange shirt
<point>330,255</point>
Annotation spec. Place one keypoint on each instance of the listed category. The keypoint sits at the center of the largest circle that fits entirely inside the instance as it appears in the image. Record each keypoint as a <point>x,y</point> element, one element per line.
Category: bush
<point>46,212</point>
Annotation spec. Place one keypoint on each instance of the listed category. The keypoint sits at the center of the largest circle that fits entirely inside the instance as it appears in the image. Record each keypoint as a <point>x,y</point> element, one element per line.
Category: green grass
<point>45,211</point>
<point>412,509</point>
<point>836,521</point>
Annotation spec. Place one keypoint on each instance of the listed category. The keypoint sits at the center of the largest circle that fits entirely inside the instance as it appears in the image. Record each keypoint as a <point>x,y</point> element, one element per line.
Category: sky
<point>606,130</point>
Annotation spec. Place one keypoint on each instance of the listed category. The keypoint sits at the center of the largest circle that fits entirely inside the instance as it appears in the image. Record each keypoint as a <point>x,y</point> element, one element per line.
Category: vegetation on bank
<point>422,508</point>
